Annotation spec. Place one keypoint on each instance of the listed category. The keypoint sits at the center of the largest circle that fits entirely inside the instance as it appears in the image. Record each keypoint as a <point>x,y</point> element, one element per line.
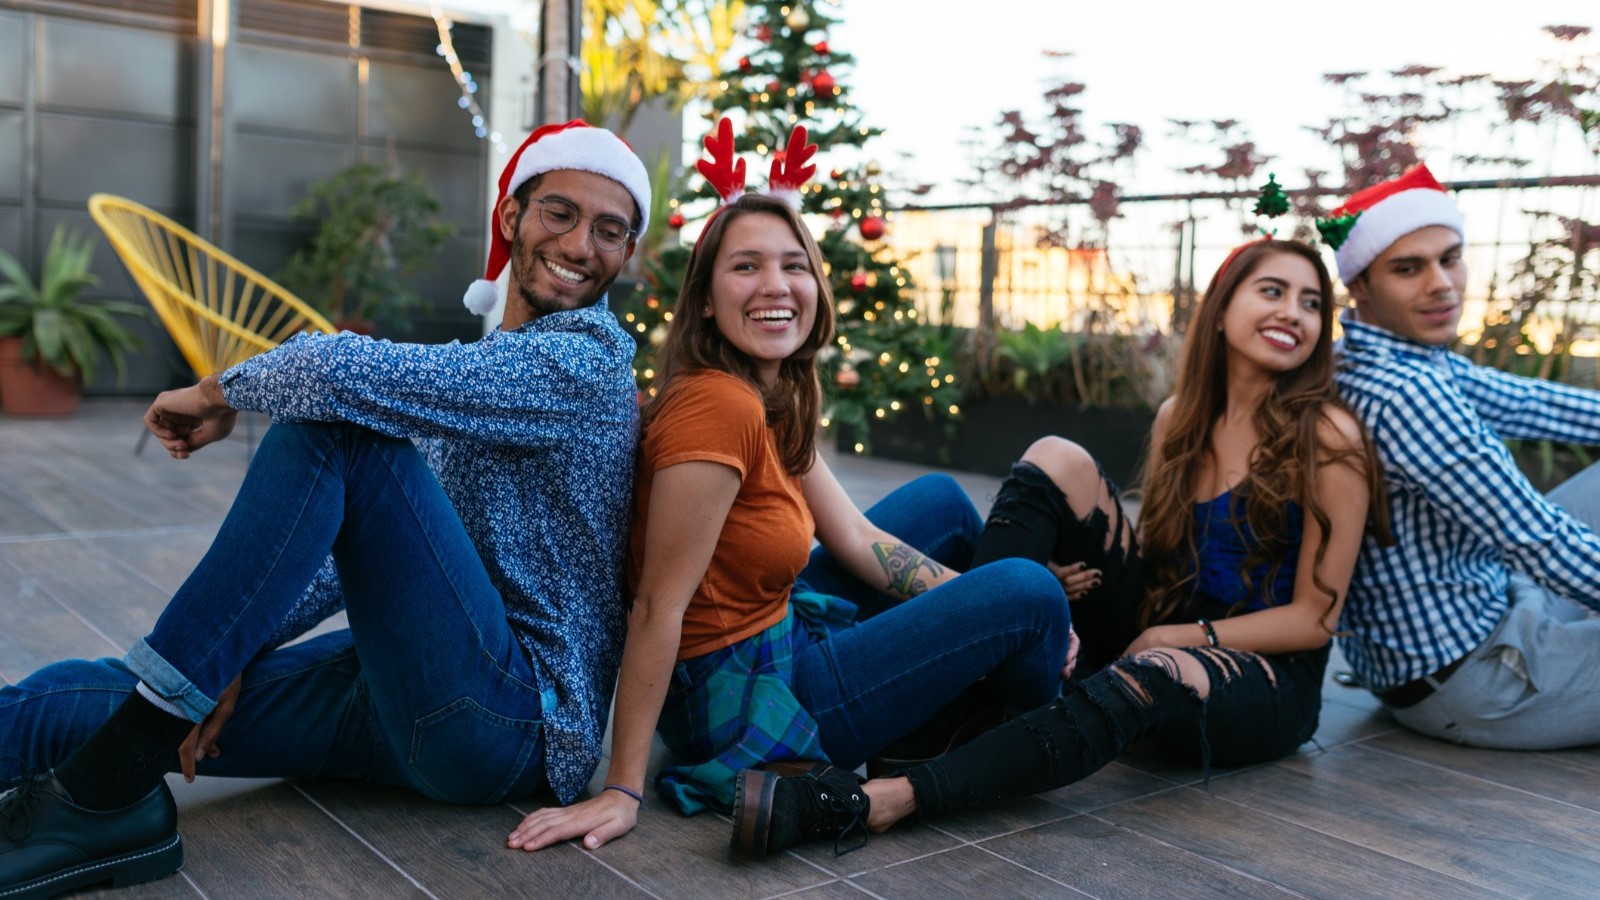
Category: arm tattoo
<point>905,566</point>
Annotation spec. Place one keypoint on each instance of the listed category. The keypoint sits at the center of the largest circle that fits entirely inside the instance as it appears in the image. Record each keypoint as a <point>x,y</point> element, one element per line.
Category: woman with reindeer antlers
<point>745,647</point>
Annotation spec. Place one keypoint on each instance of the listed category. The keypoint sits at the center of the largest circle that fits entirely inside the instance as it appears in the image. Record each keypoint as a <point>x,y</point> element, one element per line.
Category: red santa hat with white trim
<point>1377,216</point>
<point>572,145</point>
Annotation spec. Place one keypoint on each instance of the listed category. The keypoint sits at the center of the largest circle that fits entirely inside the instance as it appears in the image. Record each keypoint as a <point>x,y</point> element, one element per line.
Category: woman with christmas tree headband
<point>1209,630</point>
<point>744,647</point>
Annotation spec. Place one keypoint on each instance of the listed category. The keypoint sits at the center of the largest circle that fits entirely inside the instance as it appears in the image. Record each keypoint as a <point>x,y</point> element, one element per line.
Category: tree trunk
<point>560,41</point>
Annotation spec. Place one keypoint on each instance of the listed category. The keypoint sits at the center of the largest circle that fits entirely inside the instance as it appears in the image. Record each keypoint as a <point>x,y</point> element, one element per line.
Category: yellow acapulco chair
<point>218,310</point>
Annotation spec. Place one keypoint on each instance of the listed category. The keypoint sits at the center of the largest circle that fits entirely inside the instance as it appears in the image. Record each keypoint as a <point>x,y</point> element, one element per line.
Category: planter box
<point>29,388</point>
<point>993,433</point>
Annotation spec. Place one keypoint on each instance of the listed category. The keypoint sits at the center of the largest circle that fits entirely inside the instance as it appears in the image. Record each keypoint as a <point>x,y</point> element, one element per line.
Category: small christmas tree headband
<point>725,171</point>
<point>1377,216</point>
<point>1271,203</point>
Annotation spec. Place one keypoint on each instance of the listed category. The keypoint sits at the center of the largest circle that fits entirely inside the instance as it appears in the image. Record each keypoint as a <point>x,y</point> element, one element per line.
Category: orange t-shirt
<point>711,416</point>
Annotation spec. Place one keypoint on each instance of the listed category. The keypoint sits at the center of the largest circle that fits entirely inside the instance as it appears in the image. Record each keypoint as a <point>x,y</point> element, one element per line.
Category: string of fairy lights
<point>464,81</point>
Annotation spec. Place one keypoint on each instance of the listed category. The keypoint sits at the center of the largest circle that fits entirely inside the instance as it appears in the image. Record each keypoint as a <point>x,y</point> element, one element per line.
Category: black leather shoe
<point>50,845</point>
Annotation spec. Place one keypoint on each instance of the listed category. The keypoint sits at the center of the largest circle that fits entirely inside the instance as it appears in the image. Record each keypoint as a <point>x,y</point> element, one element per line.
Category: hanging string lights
<point>464,81</point>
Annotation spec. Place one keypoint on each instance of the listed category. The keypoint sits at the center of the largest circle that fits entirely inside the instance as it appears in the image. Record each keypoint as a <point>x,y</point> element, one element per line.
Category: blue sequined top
<point>1223,540</point>
<point>531,433</point>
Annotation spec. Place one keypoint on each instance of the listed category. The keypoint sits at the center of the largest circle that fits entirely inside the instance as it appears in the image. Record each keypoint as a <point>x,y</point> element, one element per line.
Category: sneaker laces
<point>834,804</point>
<point>17,806</point>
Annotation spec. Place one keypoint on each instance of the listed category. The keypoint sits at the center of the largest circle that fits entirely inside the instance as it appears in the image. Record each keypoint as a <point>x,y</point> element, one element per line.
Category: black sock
<point>126,758</point>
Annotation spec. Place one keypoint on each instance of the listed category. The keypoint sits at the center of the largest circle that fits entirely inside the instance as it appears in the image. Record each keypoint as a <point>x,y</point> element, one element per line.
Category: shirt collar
<point>597,311</point>
<point>1360,337</point>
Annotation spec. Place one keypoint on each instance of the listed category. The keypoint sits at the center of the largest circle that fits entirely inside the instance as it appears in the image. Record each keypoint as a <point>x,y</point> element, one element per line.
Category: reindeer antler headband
<point>725,171</point>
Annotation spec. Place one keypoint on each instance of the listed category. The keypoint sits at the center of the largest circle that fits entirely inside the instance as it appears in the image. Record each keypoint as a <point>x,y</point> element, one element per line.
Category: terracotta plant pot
<point>29,388</point>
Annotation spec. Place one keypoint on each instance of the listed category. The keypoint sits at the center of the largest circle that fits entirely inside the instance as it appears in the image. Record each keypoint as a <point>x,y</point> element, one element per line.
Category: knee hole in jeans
<point>1198,668</point>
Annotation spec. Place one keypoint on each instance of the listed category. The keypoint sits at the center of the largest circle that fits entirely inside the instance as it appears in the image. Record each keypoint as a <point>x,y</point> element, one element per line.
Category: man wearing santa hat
<point>478,567</point>
<point>1476,624</point>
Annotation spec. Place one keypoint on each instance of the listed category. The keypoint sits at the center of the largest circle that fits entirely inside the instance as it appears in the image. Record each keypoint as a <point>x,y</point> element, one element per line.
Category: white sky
<point>926,70</point>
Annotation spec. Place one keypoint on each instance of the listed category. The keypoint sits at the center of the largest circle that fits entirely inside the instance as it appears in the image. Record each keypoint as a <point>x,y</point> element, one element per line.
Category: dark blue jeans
<point>428,688</point>
<point>1006,622</point>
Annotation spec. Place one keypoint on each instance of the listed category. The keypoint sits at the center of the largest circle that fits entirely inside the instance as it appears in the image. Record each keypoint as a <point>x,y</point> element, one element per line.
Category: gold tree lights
<point>787,72</point>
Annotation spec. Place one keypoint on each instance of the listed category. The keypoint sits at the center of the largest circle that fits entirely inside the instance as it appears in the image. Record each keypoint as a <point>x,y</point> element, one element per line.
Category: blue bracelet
<point>627,790</point>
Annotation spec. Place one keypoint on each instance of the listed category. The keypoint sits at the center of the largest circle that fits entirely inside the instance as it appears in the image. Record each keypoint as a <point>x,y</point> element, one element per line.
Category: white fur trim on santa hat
<point>481,297</point>
<point>1391,219</point>
<point>588,150</point>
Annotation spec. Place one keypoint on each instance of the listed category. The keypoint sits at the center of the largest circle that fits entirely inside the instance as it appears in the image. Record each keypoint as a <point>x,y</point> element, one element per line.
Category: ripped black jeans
<point>1031,519</point>
<point>1259,707</point>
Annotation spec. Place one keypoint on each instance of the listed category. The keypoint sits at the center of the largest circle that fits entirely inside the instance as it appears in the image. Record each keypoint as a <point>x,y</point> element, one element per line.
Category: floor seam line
<point>364,842</point>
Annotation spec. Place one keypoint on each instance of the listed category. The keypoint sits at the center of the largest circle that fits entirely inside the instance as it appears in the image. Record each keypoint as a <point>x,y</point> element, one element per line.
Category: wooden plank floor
<point>93,539</point>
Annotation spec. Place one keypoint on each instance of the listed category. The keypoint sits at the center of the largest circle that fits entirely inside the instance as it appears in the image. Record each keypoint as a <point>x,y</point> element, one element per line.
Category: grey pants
<point>1534,684</point>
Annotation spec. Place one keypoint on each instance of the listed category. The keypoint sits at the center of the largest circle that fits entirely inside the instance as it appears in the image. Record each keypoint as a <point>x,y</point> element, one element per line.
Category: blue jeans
<point>428,688</point>
<point>872,684</point>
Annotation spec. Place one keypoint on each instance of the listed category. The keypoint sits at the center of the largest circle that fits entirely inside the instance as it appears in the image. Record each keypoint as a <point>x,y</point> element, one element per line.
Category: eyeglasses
<point>559,217</point>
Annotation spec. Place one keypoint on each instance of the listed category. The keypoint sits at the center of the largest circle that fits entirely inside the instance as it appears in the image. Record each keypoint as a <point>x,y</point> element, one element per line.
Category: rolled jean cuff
<point>168,682</point>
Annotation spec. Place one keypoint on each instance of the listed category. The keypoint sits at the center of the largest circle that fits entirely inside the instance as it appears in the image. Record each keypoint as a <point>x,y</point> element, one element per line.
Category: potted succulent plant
<point>51,338</point>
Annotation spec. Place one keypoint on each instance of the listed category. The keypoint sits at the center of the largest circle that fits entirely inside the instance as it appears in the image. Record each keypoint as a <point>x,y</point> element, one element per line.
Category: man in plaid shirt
<point>1476,625</point>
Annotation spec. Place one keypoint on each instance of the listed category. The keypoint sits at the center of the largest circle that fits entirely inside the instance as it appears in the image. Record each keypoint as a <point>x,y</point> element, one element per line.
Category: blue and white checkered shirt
<point>1463,516</point>
<point>532,435</point>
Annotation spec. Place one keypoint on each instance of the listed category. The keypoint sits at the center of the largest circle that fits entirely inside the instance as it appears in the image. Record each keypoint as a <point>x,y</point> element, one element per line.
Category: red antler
<point>723,170</point>
<point>790,171</point>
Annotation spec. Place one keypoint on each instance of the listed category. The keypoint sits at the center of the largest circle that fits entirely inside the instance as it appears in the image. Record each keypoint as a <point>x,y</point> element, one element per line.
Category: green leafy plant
<point>1547,293</point>
<point>1036,356</point>
<point>57,326</point>
<point>375,230</point>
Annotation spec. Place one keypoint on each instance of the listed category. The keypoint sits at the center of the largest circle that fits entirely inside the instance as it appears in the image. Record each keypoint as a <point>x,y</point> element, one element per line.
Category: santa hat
<point>1377,216</point>
<point>573,145</point>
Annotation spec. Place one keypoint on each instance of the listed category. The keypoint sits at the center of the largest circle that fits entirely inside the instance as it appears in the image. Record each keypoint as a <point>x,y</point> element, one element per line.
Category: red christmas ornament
<point>836,175</point>
<point>822,83</point>
<point>744,63</point>
<point>858,282</point>
<point>821,47</point>
<point>773,86</point>
<point>873,227</point>
<point>847,377</point>
<point>764,33</point>
<point>675,221</point>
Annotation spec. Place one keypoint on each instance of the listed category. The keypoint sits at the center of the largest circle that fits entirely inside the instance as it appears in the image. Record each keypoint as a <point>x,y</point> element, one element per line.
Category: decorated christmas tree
<point>885,362</point>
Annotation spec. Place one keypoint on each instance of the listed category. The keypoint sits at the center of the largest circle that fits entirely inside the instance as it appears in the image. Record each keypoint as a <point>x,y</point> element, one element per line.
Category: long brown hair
<point>1283,466</point>
<point>794,402</point>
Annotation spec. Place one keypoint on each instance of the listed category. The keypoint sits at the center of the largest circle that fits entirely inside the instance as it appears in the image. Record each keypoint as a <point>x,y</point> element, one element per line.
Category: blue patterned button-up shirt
<point>1463,516</point>
<point>532,434</point>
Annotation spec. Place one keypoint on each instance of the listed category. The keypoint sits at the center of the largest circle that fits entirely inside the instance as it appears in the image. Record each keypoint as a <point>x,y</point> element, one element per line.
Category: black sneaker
<point>50,845</point>
<point>773,812</point>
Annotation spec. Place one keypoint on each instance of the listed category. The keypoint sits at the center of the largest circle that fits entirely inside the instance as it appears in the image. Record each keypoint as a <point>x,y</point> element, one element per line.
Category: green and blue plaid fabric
<point>732,709</point>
